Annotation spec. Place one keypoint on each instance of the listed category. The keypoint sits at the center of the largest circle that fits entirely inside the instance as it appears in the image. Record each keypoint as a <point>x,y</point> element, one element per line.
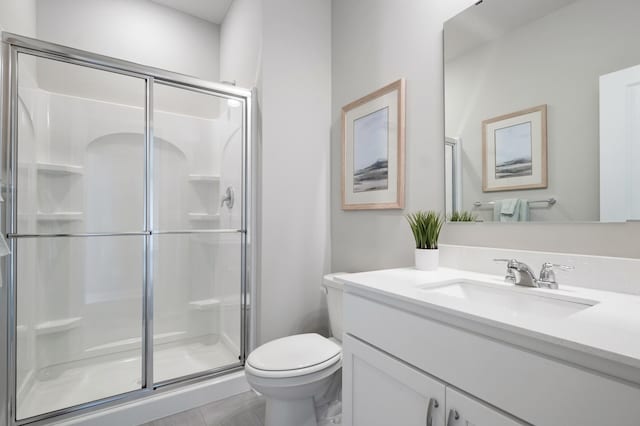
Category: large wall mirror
<point>542,111</point>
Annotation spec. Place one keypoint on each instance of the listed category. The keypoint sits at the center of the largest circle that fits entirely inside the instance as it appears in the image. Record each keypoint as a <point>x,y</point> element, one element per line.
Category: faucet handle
<point>509,276</point>
<point>561,267</point>
<point>548,275</point>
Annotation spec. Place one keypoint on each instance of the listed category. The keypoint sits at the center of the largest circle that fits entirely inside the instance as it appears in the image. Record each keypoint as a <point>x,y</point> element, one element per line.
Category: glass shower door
<point>79,234</point>
<point>197,243</point>
<point>126,217</point>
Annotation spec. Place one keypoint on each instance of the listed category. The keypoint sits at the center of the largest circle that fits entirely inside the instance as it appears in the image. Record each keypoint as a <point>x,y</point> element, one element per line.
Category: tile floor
<point>246,409</point>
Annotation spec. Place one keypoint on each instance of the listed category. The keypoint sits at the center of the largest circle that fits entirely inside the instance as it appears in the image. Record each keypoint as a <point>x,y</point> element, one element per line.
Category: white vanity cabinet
<point>379,390</point>
<point>399,357</point>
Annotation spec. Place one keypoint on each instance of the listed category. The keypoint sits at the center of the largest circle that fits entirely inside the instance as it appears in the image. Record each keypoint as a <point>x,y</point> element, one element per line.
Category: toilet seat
<point>293,356</point>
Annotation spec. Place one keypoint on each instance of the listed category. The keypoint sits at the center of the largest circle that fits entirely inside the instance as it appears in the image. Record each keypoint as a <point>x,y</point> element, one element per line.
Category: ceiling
<point>490,19</point>
<point>213,11</point>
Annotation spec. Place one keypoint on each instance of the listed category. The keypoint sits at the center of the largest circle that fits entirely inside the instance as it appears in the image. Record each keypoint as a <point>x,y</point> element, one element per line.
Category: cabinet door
<point>379,390</point>
<point>465,411</point>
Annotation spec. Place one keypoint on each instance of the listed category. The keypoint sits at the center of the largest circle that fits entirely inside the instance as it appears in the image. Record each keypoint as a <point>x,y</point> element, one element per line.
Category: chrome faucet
<point>523,274</point>
<point>509,276</point>
<point>520,273</point>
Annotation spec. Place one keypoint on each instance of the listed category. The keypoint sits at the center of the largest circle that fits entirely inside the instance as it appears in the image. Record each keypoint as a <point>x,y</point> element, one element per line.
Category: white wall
<point>241,43</point>
<point>375,42</point>
<point>296,108</point>
<point>18,17</point>
<point>134,30</point>
<point>540,71</point>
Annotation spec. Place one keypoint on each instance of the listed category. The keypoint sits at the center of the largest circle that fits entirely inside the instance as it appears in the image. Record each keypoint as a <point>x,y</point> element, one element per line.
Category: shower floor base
<point>89,381</point>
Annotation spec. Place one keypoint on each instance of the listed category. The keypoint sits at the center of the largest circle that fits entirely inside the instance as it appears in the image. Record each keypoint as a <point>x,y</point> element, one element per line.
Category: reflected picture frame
<point>373,150</point>
<point>514,151</point>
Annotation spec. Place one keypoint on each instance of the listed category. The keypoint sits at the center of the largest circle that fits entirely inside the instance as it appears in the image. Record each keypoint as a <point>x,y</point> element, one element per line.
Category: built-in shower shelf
<point>58,326</point>
<point>203,178</point>
<point>59,168</point>
<point>59,216</point>
<point>205,304</point>
<point>135,342</point>
<point>204,216</point>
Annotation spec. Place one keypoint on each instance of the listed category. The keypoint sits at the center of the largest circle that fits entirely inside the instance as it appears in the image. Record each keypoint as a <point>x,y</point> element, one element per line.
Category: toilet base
<point>297,412</point>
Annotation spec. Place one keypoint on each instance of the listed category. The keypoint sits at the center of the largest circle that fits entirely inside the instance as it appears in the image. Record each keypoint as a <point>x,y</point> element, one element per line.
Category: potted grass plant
<point>426,228</point>
<point>462,216</point>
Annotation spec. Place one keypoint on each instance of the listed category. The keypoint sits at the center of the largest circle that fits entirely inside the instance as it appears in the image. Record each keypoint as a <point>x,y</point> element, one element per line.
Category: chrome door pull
<point>433,403</point>
<point>453,414</point>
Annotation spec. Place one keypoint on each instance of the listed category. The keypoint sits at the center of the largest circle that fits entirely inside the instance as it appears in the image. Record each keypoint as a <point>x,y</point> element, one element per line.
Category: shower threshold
<point>78,382</point>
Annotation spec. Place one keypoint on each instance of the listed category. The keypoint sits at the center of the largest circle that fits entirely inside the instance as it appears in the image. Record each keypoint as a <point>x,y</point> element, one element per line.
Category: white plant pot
<point>427,259</point>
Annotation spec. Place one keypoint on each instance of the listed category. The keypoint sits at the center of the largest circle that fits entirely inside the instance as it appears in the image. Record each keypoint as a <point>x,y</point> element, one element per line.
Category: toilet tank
<point>333,289</point>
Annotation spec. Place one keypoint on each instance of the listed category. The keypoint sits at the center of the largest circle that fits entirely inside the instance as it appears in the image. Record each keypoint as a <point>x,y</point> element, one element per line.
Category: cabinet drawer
<point>379,390</point>
<point>535,388</point>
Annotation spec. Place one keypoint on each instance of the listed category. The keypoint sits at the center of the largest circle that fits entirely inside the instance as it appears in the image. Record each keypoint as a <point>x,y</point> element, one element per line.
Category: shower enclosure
<point>125,194</point>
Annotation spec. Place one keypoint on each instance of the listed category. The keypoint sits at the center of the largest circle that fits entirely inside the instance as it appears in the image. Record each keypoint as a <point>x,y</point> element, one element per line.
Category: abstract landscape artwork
<point>373,150</point>
<point>513,151</point>
<point>514,148</point>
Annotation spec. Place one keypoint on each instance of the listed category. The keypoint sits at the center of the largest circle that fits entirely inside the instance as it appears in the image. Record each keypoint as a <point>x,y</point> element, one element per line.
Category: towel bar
<point>549,201</point>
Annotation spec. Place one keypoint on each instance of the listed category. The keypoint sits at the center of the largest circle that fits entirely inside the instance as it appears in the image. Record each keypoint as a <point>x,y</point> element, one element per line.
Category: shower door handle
<point>228,198</point>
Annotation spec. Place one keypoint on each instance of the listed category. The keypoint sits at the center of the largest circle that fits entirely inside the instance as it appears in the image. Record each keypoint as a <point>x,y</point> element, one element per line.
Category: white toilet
<point>291,371</point>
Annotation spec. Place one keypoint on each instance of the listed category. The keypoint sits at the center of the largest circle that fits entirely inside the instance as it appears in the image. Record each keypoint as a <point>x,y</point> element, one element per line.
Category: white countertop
<point>609,330</point>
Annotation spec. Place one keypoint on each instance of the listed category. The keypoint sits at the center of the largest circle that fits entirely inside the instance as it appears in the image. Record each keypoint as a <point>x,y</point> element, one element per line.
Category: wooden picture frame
<point>514,151</point>
<point>373,150</point>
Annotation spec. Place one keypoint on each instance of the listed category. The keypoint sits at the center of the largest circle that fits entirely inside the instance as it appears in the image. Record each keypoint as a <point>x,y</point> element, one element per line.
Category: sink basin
<point>513,301</point>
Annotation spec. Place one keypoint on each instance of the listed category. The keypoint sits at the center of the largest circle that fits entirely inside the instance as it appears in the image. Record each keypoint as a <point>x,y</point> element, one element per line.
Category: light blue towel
<point>509,206</point>
<point>511,210</point>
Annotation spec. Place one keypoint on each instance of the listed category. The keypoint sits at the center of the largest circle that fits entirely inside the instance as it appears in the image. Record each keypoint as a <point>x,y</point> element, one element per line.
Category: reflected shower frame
<point>11,46</point>
<point>456,175</point>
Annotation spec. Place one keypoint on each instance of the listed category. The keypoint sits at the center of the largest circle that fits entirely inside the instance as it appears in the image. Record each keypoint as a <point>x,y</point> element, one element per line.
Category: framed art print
<point>514,149</point>
<point>373,150</point>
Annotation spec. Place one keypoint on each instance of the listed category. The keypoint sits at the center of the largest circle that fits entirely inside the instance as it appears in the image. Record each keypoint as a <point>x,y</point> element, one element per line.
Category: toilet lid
<point>293,353</point>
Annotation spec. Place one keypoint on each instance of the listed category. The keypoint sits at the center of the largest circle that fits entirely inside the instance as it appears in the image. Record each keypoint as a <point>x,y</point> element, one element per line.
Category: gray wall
<point>556,60</point>
<point>374,43</point>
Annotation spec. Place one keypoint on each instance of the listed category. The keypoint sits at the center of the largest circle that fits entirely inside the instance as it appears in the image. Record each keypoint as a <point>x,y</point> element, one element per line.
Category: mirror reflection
<point>542,111</point>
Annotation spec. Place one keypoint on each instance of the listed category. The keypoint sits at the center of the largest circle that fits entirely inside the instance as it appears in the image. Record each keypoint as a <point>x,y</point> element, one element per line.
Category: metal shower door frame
<point>11,46</point>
